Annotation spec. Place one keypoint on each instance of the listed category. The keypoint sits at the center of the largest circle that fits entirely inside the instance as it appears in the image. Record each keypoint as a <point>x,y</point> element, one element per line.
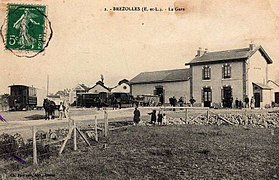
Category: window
<point>226,71</point>
<point>206,73</point>
<point>207,95</point>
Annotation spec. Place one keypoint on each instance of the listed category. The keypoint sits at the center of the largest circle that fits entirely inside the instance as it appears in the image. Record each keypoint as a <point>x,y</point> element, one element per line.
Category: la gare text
<point>144,9</point>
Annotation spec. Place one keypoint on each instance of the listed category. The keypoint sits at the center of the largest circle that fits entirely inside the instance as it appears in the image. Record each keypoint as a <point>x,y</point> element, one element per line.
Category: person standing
<point>160,118</point>
<point>192,101</point>
<point>161,99</point>
<point>66,109</point>
<point>236,103</point>
<point>174,102</point>
<point>246,100</point>
<point>114,103</point>
<point>153,117</point>
<point>165,122</point>
<point>61,110</point>
<point>180,101</point>
<point>171,101</point>
<point>252,103</point>
<point>136,116</point>
<point>231,101</point>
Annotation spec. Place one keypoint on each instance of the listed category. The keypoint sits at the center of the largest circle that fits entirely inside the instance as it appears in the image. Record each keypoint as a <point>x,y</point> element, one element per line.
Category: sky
<point>88,41</point>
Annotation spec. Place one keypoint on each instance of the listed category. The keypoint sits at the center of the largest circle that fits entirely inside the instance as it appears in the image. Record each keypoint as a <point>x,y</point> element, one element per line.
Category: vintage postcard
<point>142,89</point>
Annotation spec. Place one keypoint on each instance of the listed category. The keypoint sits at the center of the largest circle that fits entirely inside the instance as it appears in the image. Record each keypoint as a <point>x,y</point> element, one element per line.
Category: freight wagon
<point>22,97</point>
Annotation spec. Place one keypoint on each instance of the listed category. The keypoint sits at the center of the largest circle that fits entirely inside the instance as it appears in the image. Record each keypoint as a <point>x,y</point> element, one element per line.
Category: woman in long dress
<point>136,116</point>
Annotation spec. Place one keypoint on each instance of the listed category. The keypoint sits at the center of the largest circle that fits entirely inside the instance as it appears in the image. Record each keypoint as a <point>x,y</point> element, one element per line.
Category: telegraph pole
<point>47,84</point>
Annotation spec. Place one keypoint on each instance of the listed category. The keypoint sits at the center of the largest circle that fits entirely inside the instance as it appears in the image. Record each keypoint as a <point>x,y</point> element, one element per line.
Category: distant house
<point>63,93</point>
<point>98,88</point>
<point>218,77</point>
<point>122,87</point>
<point>167,83</point>
<point>79,88</point>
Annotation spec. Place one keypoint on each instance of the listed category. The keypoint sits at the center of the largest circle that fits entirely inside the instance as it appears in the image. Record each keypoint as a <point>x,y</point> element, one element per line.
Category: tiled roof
<point>84,86</point>
<point>162,76</point>
<point>99,85</point>
<point>235,54</point>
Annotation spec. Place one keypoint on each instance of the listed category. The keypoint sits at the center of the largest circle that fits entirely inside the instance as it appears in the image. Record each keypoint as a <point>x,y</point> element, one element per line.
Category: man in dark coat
<point>161,99</point>
<point>136,116</point>
<point>192,101</point>
<point>246,100</point>
<point>171,101</point>
<point>160,118</point>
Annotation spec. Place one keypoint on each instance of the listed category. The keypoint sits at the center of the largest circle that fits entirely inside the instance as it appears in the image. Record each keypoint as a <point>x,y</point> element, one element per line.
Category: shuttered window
<point>226,71</point>
<point>206,73</point>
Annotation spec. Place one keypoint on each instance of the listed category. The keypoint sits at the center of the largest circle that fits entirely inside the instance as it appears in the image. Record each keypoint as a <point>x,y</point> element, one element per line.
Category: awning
<point>262,86</point>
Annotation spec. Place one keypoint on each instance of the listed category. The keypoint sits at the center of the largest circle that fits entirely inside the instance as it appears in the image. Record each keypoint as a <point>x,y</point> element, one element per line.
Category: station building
<point>167,83</point>
<point>217,77</point>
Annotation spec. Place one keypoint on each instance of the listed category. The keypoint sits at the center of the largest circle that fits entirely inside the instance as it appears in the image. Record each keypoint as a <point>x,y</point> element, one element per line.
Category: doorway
<point>159,91</point>
<point>227,97</point>
<point>276,94</point>
<point>257,97</point>
<point>207,97</point>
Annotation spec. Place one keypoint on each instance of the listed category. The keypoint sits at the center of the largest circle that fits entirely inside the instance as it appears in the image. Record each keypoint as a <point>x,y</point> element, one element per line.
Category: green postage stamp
<point>26,29</point>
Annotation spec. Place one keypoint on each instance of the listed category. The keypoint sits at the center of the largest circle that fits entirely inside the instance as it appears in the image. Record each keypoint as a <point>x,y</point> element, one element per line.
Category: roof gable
<point>124,88</point>
<point>162,76</point>
<point>98,88</point>
<point>229,55</point>
<point>80,87</point>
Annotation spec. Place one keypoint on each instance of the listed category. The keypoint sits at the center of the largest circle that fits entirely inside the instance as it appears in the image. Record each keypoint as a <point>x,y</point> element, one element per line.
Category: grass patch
<point>171,152</point>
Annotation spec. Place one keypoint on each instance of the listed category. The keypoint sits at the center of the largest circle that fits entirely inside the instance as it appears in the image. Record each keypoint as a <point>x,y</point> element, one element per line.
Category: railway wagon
<point>22,97</point>
<point>92,99</point>
<point>122,99</point>
<point>104,99</point>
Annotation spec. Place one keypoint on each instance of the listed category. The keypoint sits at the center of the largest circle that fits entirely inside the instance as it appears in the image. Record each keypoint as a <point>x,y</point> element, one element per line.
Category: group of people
<point>160,118</point>
<point>173,101</point>
<point>246,104</point>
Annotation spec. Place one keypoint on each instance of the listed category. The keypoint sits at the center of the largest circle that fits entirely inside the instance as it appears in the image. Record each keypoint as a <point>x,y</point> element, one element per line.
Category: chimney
<point>205,50</point>
<point>200,52</point>
<point>252,46</point>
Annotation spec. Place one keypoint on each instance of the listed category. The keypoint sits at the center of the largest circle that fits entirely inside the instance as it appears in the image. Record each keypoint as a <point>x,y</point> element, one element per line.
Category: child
<point>160,118</point>
<point>164,119</point>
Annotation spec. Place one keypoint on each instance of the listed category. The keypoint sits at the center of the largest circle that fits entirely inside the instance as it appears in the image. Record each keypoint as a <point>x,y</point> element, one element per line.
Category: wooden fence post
<point>96,129</point>
<point>106,123</point>
<point>186,115</point>
<point>35,159</point>
<point>75,136</point>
